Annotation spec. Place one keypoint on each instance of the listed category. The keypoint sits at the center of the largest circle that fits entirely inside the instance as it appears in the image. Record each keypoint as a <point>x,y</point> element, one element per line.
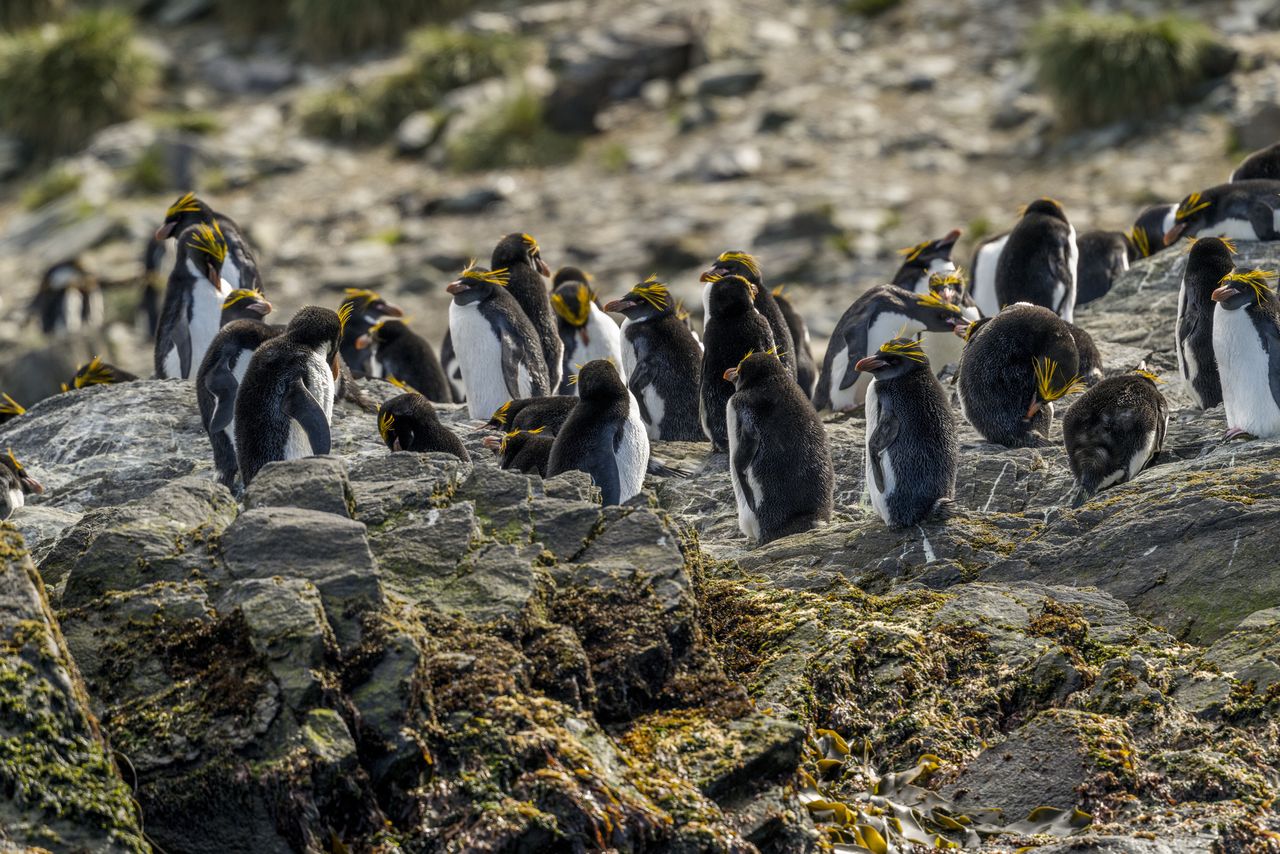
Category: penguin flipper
<point>302,407</point>
<point>1271,334</point>
<point>744,452</point>
<point>856,340</point>
<point>880,439</point>
<point>222,384</point>
<point>605,474</point>
<point>511,369</point>
<point>181,334</point>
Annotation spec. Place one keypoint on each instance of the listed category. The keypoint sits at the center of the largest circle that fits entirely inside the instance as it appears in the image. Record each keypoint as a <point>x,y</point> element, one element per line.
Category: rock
<point>416,133</point>
<point>312,483</point>
<point>261,75</point>
<point>1115,845</point>
<point>13,156</point>
<point>1260,128</point>
<point>1251,652</point>
<point>471,202</point>
<point>726,78</point>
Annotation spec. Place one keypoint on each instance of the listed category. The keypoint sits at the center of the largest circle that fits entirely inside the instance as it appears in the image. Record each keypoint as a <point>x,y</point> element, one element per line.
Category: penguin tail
<point>1080,495</point>
<point>660,469</point>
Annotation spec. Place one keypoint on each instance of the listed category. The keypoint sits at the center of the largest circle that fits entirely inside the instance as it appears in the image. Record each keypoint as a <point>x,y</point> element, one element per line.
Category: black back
<point>806,367</point>
<point>733,328</point>
<point>589,438</point>
<point>1090,360</point>
<point>410,358</point>
<point>668,360</point>
<point>1104,255</point>
<point>234,341</point>
<point>1036,259</point>
<point>415,426</point>
<point>1208,261</point>
<point>1264,164</point>
<point>530,413</point>
<point>526,284</point>
<point>1107,425</point>
<point>528,453</point>
<point>1148,230</point>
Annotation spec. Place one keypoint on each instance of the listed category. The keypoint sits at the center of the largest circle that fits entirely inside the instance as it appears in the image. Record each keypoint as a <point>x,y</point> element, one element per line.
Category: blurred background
<point>382,143</point>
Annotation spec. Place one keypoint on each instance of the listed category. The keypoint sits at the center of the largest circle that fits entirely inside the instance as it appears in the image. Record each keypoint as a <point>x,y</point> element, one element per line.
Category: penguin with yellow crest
<point>586,332</point>
<point>1113,431</point>
<point>1246,345</point>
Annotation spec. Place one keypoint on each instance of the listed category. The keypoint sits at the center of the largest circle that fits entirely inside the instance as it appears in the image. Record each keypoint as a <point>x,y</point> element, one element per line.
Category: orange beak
<point>870,363</point>
<point>363,341</point>
<point>491,442</point>
<point>1223,293</point>
<point>1033,408</point>
<point>163,232</point>
<point>337,361</point>
<point>731,375</point>
<point>1174,233</point>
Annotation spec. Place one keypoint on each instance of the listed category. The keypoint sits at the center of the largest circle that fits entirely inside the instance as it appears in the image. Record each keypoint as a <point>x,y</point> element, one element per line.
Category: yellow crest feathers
<point>742,258</point>
<point>1257,280</point>
<point>955,279</point>
<point>401,384</point>
<point>908,348</point>
<point>1143,372</point>
<point>187,204</point>
<point>530,242</point>
<point>1046,371</point>
<point>497,277</point>
<point>386,423</point>
<point>361,294</point>
<point>17,466</point>
<point>653,292</point>
<point>1229,243</point>
<point>93,372</point>
<point>344,314</point>
<point>914,252</point>
<point>1192,204</point>
<point>932,300</point>
<point>576,317</point>
<point>9,406</point>
<point>240,295</point>
<point>209,240</point>
<point>750,353</point>
<point>1138,238</point>
<point>777,291</point>
<point>500,414</point>
<point>682,313</point>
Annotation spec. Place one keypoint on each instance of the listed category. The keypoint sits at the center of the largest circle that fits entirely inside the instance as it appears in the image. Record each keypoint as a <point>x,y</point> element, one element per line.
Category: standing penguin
<point>1104,255</point>
<point>604,435</point>
<point>733,329</point>
<point>986,258</point>
<point>1113,431</point>
<point>15,485</point>
<point>549,413</point>
<point>404,355</point>
<point>925,260</point>
<point>192,312</point>
<point>499,349</point>
<point>586,332</point>
<point>519,255</point>
<point>1038,263</point>
<point>1014,366</point>
<point>68,300</point>
<point>945,348</point>
<point>408,422</point>
<point>881,314</point>
<point>525,451</point>
<point>806,367</point>
<point>746,266</point>
<point>218,382</point>
<point>367,309</point>
<point>1243,210</point>
<point>911,451</point>
<point>662,361</point>
<point>241,271</point>
<point>779,460</point>
<point>1263,163</point>
<point>285,401</point>
<point>1207,263</point>
<point>1246,343</point>
<point>452,370</point>
<point>1147,234</point>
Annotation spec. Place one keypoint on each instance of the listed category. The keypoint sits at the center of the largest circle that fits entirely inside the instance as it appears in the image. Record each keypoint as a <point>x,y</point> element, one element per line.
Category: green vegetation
<point>148,173</point>
<point>1100,68</point>
<point>439,60</point>
<point>60,84</point>
<point>49,187</point>
<point>17,14</point>
<point>512,135</point>
<point>870,8</point>
<point>189,121</point>
<point>326,28</point>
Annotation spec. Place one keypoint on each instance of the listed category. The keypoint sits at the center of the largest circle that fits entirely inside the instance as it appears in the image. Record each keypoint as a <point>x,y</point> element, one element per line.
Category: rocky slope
<point>377,652</point>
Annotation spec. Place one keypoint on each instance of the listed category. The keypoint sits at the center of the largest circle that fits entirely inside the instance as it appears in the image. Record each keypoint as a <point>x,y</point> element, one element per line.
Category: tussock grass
<point>514,134</point>
<point>52,185</point>
<point>17,14</point>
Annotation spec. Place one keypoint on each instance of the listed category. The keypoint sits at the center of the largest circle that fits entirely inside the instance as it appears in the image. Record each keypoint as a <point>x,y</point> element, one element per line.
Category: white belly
<point>1142,456</point>
<point>656,407</point>
<point>942,348</point>
<point>629,358</point>
<point>16,499</point>
<point>237,371</point>
<point>172,364</point>
<point>605,340</point>
<point>206,316</point>
<point>1170,219</point>
<point>1231,229</point>
<point>984,277</point>
<point>319,382</point>
<point>479,355</point>
<point>1244,370</point>
<point>1177,334</point>
<point>879,499</point>
<point>633,453</point>
<point>747,521</point>
<point>72,308</point>
<point>1066,295</point>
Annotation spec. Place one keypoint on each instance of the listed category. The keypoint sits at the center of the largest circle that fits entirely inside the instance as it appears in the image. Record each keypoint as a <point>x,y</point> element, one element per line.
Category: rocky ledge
<point>399,652</point>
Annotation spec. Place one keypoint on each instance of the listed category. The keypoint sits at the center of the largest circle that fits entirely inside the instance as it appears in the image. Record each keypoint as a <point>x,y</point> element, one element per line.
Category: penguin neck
<point>523,280</point>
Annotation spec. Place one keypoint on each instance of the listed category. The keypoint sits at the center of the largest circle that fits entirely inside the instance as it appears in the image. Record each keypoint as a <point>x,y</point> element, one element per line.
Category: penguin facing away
<point>806,367</point>
<point>1113,431</point>
<point>525,451</point>
<point>16,483</point>
<point>1104,255</point>
<point>97,372</point>
<point>924,260</point>
<point>1263,163</point>
<point>192,311</point>
<point>662,361</point>
<point>218,382</point>
<point>1246,344</point>
<point>285,403</point>
<point>367,309</point>
<point>911,451</point>
<point>746,266</point>
<point>1014,367</point>
<point>520,256</point>
<point>1088,359</point>
<point>881,314</point>
<point>1243,210</point>
<point>586,332</point>
<point>499,349</point>
<point>404,355</point>
<point>1039,261</point>
<point>986,258</point>
<point>148,311</point>
<point>408,422</point>
<point>241,271</point>
<point>779,459</point>
<point>733,328</point>
<point>548,413</point>
<point>1208,262</point>
<point>604,435</point>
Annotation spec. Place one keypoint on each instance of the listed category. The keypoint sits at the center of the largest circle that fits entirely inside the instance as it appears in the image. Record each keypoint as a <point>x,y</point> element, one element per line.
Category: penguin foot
<point>1236,433</point>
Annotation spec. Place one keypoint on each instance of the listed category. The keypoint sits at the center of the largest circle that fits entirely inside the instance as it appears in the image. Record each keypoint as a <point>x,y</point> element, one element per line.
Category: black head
<point>922,255</point>
<point>244,304</point>
<point>755,369</point>
<point>968,330</point>
<point>516,249</point>
<point>570,274</point>
<point>1245,287</point>
<point>572,303</point>
<point>384,332</point>
<point>182,214</point>
<point>1047,207</point>
<point>367,308</point>
<point>207,247</point>
<point>26,482</point>
<point>498,421</point>
<point>1147,235</point>
<point>897,358</point>
<point>645,301</point>
<point>598,380</point>
<point>318,328</point>
<point>476,284</point>
<point>1192,214</point>
<point>96,372</point>
<point>937,314</point>
<point>401,418</point>
<point>735,264</point>
<point>730,296</point>
<point>1208,260</point>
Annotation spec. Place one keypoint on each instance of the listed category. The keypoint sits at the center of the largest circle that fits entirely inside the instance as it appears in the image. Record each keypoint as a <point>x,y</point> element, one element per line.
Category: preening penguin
<point>779,460</point>
<point>241,270</point>
<point>1263,163</point>
<point>662,361</point>
<point>1246,343</point>
<point>881,314</point>
<point>218,383</point>
<point>1208,262</point>
<point>806,366</point>
<point>367,309</point>
<point>733,328</point>
<point>68,299</point>
<point>404,355</point>
<point>911,451</point>
<point>1089,360</point>
<point>986,258</point>
<point>1038,263</point>
<point>285,402</point>
<point>192,312</point>
<point>519,255</point>
<point>1243,210</point>
<point>603,436</point>
<point>499,350</point>
<point>1113,431</point>
<point>586,332</point>
<point>97,372</point>
<point>408,422</point>
<point>746,266</point>
<point>549,413</point>
<point>1104,255</point>
<point>1147,234</point>
<point>15,485</point>
<point>925,260</point>
<point>1014,366</point>
<point>525,451</point>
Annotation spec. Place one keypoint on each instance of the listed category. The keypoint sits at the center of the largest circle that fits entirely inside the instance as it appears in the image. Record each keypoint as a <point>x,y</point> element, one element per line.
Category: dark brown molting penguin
<point>520,256</point>
<point>746,266</point>
<point>525,451</point>
<point>733,329</point>
<point>404,355</point>
<point>1113,431</point>
<point>526,413</point>
<point>408,422</point>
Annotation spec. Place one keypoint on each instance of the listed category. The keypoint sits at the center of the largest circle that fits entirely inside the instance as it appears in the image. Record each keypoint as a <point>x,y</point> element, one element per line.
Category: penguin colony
<point>562,385</point>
